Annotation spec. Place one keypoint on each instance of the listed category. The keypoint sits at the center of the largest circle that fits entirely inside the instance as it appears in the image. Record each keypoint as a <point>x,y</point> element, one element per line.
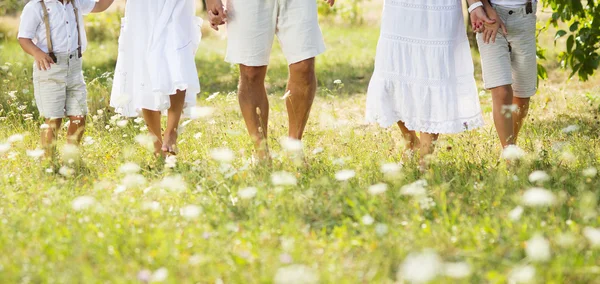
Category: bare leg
<point>302,85</point>
<point>520,115</point>
<point>427,147</point>
<point>152,119</point>
<point>76,129</point>
<point>502,98</point>
<point>255,105</point>
<point>49,135</point>
<point>173,117</point>
<point>412,141</point>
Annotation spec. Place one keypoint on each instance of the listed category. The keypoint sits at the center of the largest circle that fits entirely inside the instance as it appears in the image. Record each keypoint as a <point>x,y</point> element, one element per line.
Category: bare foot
<point>169,145</point>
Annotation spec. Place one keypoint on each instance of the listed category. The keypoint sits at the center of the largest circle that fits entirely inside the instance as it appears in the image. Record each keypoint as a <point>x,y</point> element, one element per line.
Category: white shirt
<point>63,27</point>
<point>511,3</point>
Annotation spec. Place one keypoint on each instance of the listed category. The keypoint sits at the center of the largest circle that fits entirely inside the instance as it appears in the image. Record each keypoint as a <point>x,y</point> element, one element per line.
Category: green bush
<point>11,7</point>
<point>103,26</point>
<point>350,11</point>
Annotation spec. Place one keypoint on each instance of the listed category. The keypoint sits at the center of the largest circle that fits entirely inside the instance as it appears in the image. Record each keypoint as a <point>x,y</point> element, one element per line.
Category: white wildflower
<point>83,202</point>
<point>420,267</point>
<point>296,274</point>
<point>539,177</point>
<point>367,220</point>
<point>70,152</point>
<point>538,197</point>
<point>134,180</point>
<point>417,188</point>
<point>160,275</point>
<point>15,138</point>
<point>191,211</point>
<point>593,236</point>
<point>129,168</point>
<point>337,82</point>
<point>513,152</point>
<point>589,172</point>
<point>570,128</point>
<point>222,155</point>
<point>122,123</point>
<point>345,175</point>
<point>66,171</point>
<point>457,270</point>
<point>381,229</point>
<point>201,112</point>
<point>44,126</point>
<point>171,162</point>
<point>515,214</point>
<point>283,178</point>
<point>120,188</point>
<point>145,140</point>
<point>173,183</point>
<point>391,168</point>
<point>318,150</point>
<point>247,193</point>
<point>151,206</point>
<point>538,249</point>
<point>568,157</point>
<point>88,141</point>
<point>291,144</point>
<point>35,154</point>
<point>4,147</point>
<point>522,274</point>
<point>378,188</point>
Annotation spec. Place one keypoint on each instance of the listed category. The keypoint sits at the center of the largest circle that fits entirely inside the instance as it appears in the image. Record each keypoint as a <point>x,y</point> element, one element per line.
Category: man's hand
<point>330,2</point>
<point>42,60</point>
<point>217,15</point>
<point>479,18</point>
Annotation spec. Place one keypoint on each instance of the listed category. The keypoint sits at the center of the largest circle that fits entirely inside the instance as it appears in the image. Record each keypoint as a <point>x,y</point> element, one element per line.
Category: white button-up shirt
<point>63,27</point>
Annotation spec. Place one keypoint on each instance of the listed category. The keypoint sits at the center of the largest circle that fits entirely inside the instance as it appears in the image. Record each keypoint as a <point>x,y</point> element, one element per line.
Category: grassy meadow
<point>356,212</point>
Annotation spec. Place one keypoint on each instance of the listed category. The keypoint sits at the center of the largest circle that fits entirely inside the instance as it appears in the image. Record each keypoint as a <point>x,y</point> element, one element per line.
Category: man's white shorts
<point>253,24</point>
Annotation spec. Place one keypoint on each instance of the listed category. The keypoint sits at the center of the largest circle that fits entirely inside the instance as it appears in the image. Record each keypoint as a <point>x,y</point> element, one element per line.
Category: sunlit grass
<point>105,225</point>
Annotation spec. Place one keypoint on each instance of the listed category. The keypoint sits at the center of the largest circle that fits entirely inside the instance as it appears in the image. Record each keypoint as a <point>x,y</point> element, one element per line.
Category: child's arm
<point>102,5</point>
<point>42,60</point>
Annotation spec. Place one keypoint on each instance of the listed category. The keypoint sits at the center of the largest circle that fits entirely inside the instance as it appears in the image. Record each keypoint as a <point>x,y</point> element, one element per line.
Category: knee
<point>305,68</point>
<point>252,75</point>
<point>503,94</point>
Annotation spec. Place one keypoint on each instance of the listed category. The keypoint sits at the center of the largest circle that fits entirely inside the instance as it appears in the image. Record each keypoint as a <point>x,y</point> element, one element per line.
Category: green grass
<point>317,223</point>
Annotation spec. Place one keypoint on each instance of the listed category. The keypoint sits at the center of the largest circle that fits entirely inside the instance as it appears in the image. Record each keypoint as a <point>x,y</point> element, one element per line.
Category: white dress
<point>157,46</point>
<point>424,69</point>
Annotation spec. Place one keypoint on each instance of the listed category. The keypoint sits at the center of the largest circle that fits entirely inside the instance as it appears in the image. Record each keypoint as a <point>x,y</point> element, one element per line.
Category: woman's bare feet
<point>169,146</point>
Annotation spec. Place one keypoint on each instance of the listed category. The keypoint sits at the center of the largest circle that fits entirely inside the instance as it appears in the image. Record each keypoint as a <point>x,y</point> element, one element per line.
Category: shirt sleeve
<point>30,22</point>
<point>86,6</point>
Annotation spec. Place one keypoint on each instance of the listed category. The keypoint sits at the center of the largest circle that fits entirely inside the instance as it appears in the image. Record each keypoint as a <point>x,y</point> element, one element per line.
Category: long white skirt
<point>157,46</point>
<point>424,69</point>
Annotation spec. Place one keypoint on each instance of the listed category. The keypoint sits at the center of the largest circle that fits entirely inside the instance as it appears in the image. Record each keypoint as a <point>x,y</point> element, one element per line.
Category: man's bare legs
<point>174,113</point>
<point>520,115</point>
<point>254,104</point>
<point>152,119</point>
<point>302,85</point>
<point>508,123</point>
<point>502,98</point>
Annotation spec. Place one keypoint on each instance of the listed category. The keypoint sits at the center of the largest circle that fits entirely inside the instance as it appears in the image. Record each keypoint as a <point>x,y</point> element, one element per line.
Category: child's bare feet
<point>169,146</point>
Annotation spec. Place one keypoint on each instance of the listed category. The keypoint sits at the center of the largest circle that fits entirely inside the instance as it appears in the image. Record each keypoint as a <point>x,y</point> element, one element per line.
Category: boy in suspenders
<point>52,32</point>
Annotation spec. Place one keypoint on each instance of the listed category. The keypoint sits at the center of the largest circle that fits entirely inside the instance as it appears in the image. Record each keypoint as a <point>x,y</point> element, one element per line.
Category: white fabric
<point>510,3</point>
<point>423,69</point>
<point>511,59</point>
<point>253,24</point>
<point>63,27</point>
<point>157,46</point>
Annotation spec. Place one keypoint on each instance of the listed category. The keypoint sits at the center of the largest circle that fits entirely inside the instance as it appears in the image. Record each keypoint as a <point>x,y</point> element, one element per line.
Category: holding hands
<point>484,19</point>
<point>217,14</point>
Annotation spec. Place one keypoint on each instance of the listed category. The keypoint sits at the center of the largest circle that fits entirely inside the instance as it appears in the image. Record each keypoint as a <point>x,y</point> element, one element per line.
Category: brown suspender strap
<point>48,37</point>
<point>78,29</point>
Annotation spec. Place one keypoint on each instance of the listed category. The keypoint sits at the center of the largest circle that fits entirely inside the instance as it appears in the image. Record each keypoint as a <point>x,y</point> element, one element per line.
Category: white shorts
<point>253,24</point>
<point>61,91</point>
<point>512,59</point>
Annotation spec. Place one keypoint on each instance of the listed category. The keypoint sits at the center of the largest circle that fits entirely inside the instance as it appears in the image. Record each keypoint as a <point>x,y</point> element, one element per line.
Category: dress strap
<point>48,34</point>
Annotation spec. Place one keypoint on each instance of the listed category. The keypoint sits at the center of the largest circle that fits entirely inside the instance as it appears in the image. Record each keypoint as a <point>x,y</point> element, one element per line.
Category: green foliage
<point>11,7</point>
<point>350,11</point>
<point>582,19</point>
